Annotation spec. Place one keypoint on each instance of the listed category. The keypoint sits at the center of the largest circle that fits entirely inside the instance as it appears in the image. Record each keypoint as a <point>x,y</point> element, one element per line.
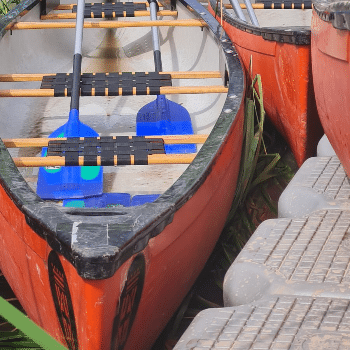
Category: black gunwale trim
<point>290,35</point>
<point>337,13</point>
<point>128,230</point>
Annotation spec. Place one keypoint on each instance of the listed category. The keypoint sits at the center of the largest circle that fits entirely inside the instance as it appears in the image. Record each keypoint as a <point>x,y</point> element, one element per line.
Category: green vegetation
<point>17,331</point>
<point>6,6</point>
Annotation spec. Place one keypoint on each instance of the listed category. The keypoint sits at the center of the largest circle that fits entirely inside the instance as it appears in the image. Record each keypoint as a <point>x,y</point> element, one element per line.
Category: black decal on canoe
<point>128,303</point>
<point>62,299</point>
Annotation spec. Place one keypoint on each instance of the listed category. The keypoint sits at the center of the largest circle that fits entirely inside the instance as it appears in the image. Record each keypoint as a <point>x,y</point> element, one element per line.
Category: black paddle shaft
<point>74,103</point>
<point>153,4</point>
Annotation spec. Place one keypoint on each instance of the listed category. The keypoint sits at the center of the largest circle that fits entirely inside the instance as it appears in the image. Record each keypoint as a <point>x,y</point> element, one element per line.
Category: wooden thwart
<point>174,75</point>
<point>108,24</point>
<point>53,16</point>
<point>70,6</point>
<point>164,90</point>
<point>43,142</point>
<point>60,161</point>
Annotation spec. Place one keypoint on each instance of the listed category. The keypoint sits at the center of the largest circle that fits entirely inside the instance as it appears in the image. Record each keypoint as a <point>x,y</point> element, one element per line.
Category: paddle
<point>70,182</point>
<point>162,116</point>
<point>239,13</point>
<point>251,13</point>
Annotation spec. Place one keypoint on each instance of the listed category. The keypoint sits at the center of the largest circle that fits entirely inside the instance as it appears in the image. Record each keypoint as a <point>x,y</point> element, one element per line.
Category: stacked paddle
<point>72,182</point>
<point>162,116</point>
<point>83,186</point>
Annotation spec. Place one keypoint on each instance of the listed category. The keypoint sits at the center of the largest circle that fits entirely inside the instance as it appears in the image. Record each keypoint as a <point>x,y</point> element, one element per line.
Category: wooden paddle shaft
<point>108,24</point>
<point>60,161</point>
<point>174,75</point>
<point>52,16</point>
<point>164,90</point>
<point>43,142</point>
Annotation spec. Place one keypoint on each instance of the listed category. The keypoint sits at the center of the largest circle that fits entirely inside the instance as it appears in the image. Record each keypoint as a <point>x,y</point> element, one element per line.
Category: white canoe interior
<point>50,51</point>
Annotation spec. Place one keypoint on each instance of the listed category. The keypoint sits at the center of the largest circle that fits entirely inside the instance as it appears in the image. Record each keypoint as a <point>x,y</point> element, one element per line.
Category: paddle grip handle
<point>74,103</point>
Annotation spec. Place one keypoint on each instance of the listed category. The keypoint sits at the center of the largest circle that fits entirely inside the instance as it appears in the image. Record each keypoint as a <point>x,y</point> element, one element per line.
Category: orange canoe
<point>330,35</point>
<point>281,56</point>
<point>112,277</point>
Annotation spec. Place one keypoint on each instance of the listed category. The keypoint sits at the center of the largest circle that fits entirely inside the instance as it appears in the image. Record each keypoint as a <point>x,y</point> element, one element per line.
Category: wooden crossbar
<point>174,75</point>
<point>70,6</point>
<point>108,24</point>
<point>60,161</point>
<point>52,16</point>
<point>164,90</point>
<point>43,142</point>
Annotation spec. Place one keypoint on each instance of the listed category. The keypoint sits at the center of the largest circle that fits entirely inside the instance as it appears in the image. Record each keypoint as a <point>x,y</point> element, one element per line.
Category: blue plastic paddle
<point>162,116</point>
<point>72,182</point>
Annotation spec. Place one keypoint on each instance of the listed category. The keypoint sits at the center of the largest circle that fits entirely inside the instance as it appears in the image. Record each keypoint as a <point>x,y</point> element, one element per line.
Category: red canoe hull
<point>331,71</point>
<point>289,101</point>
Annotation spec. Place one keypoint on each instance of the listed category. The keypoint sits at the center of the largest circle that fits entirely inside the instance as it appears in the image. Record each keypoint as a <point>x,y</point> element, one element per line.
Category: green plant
<point>26,334</point>
<point>6,6</point>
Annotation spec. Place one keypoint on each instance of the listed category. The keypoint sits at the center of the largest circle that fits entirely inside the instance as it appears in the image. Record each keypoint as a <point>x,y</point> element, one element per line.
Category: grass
<point>6,6</point>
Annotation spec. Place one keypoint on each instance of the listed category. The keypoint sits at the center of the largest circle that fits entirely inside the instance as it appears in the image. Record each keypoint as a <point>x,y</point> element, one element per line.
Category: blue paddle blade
<point>70,182</point>
<point>165,117</point>
<point>106,200</point>
<point>109,200</point>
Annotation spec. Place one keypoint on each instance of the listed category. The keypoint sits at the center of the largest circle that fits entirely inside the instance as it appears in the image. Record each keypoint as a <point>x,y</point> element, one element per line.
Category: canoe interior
<point>108,50</point>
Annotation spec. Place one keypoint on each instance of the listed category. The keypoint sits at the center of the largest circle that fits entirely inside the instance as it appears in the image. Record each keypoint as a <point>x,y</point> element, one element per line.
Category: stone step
<point>320,183</point>
<point>275,323</point>
<point>289,286</point>
<point>307,256</point>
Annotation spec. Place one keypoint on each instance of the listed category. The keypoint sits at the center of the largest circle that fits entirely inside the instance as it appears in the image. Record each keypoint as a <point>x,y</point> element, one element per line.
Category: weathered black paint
<point>128,303</point>
<point>63,301</point>
<point>337,13</point>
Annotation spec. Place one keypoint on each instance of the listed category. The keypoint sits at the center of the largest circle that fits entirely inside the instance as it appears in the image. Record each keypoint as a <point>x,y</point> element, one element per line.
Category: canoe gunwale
<point>298,35</point>
<point>133,226</point>
<point>338,13</point>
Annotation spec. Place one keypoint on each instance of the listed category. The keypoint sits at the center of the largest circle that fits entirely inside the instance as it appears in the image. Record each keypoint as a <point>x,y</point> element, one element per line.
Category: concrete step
<point>307,256</point>
<point>320,183</point>
<point>289,286</point>
<point>275,323</point>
